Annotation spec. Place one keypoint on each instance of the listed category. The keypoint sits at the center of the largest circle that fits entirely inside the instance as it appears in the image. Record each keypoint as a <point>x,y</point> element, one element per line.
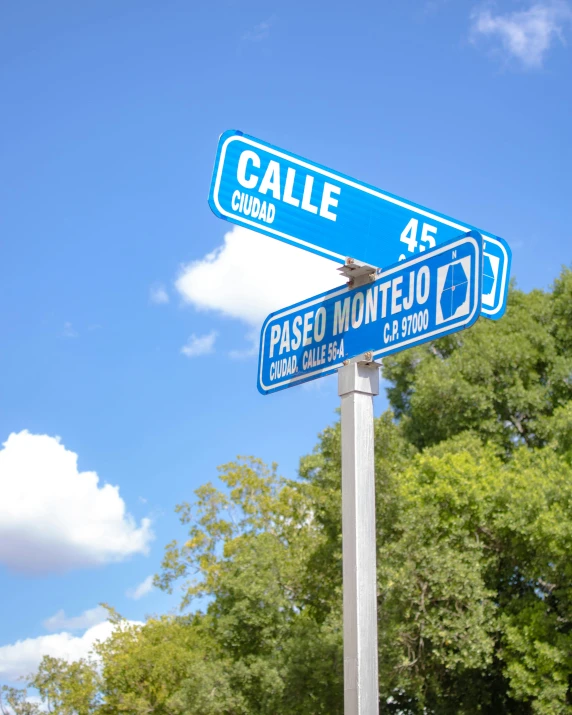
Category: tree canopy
<point>474,535</point>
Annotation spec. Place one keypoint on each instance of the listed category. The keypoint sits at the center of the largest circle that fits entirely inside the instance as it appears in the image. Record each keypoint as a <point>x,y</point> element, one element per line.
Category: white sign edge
<point>344,289</point>
<point>355,185</point>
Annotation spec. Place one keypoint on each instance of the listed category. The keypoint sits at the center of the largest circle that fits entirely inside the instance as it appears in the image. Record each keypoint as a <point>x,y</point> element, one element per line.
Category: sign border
<point>472,236</point>
<point>235,135</point>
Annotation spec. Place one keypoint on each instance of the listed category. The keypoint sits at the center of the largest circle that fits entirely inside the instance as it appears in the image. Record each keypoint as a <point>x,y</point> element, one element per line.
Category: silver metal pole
<point>357,384</point>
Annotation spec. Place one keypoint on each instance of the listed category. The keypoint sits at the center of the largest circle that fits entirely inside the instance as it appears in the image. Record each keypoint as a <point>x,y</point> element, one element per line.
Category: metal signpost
<point>357,385</point>
<point>377,314</point>
<point>289,198</point>
<point>433,282</point>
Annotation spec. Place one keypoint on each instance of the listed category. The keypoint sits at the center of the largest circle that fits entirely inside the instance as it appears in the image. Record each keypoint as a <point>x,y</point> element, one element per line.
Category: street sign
<point>286,197</point>
<point>410,303</point>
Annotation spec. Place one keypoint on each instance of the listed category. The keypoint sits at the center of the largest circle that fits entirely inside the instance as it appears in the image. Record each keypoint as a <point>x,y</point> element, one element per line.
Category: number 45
<point>409,236</point>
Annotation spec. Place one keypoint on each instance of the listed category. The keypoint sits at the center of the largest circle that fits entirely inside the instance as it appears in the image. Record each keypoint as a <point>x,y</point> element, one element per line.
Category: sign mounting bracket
<point>358,273</point>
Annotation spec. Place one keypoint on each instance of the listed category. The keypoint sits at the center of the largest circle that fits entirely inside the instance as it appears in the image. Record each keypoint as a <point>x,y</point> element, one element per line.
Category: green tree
<point>474,533</point>
<point>473,508</point>
<point>67,688</point>
<point>169,665</point>
<point>503,380</point>
<point>248,548</point>
<point>14,701</point>
<point>472,568</point>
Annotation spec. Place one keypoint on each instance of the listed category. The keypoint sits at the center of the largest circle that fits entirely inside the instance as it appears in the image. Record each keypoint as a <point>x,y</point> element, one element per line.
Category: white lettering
<point>307,195</point>
<point>409,235</point>
<point>306,339</point>
<point>297,340</point>
<point>383,288</point>
<point>252,206</point>
<point>288,188</point>
<point>274,338</point>
<point>426,236</point>
<point>370,305</point>
<point>320,324</point>
<point>328,201</point>
<point>245,157</point>
<point>285,341</point>
<point>341,316</point>
<point>283,368</point>
<point>271,180</point>
<point>395,295</point>
<point>423,279</point>
<point>255,207</point>
<point>408,301</point>
<point>357,310</point>
<point>235,203</point>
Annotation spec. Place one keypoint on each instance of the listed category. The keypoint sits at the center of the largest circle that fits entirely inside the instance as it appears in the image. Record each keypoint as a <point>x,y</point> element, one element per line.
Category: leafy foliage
<point>501,380</point>
<point>474,532</point>
<point>68,688</point>
<point>14,701</point>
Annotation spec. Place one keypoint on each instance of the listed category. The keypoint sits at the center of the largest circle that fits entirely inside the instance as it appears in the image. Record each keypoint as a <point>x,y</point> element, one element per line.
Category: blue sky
<point>130,310</point>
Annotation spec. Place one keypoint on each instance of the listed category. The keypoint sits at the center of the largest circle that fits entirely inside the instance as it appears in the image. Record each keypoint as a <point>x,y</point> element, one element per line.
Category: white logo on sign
<point>453,296</point>
<point>490,278</point>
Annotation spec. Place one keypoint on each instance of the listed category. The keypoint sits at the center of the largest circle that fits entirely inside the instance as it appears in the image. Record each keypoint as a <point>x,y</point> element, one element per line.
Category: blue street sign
<point>410,303</point>
<point>286,197</point>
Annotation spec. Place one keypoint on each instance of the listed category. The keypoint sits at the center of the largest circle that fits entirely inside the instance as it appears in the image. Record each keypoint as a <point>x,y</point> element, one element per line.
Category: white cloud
<point>243,354</point>
<point>526,35</point>
<point>323,384</point>
<point>252,339</point>
<point>22,658</point>
<point>251,275</point>
<point>141,590</point>
<point>199,344</point>
<point>158,295</point>
<point>54,517</point>
<point>259,32</point>
<point>69,332</point>
<point>36,700</point>
<point>92,617</point>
